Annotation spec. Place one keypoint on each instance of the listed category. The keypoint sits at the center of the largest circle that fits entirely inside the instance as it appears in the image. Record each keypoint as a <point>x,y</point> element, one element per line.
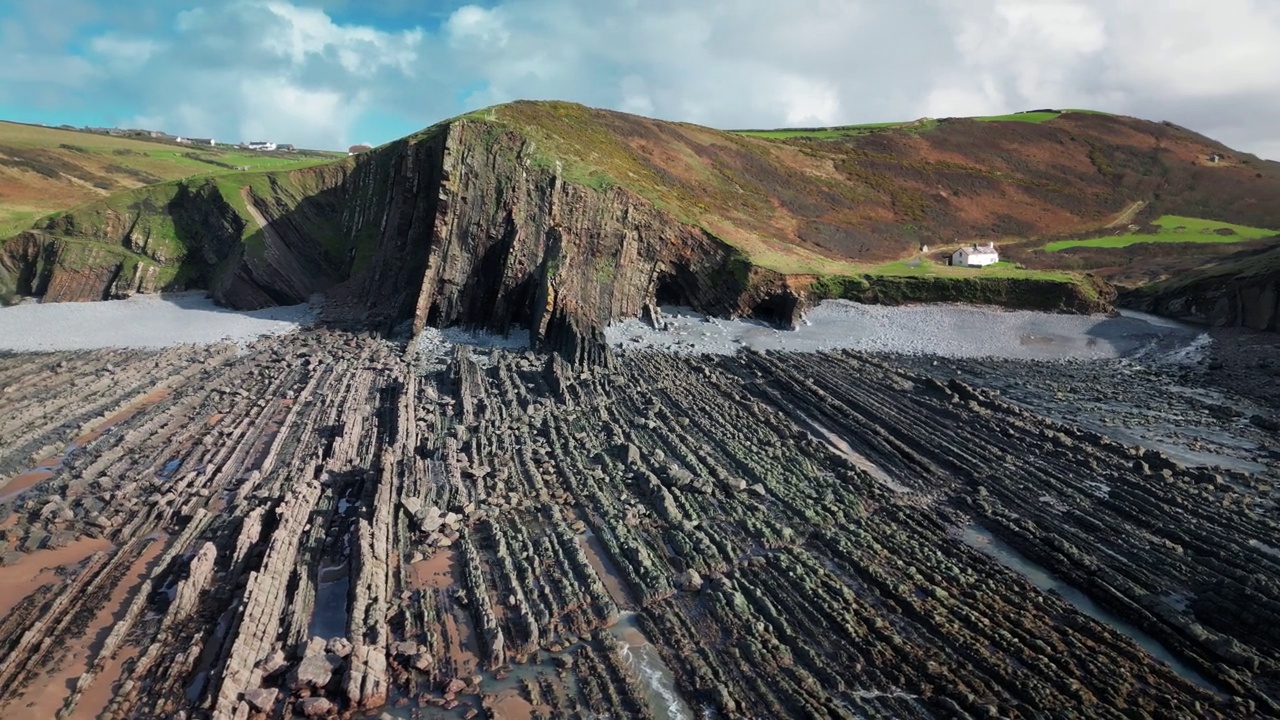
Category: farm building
<point>976,256</point>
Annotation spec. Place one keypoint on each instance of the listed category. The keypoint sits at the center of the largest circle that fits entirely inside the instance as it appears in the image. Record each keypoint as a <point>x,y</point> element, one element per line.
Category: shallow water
<point>982,540</point>
<point>660,685</point>
<point>329,618</point>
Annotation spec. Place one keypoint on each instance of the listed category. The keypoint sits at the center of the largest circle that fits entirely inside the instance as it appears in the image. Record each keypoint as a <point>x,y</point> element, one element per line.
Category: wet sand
<point>27,480</point>
<point>512,707</point>
<point>48,467</point>
<point>31,571</point>
<point>436,572</point>
<point>143,403</point>
<point>46,694</point>
<point>464,655</point>
<point>595,556</point>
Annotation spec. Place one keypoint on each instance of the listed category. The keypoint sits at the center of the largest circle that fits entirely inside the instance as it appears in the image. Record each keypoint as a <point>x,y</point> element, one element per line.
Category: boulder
<point>274,663</point>
<point>689,581</point>
<point>315,707</point>
<point>316,668</point>
<point>421,660</point>
<point>340,646</point>
<point>261,699</point>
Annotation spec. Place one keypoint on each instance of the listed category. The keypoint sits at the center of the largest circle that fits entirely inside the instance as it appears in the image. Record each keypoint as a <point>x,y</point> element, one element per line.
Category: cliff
<point>562,219</point>
<point>456,225</point>
<point>207,233</point>
<point>1241,292</point>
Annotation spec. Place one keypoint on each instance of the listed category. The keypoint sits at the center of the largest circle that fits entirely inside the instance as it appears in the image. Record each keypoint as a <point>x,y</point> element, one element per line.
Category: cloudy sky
<point>328,73</point>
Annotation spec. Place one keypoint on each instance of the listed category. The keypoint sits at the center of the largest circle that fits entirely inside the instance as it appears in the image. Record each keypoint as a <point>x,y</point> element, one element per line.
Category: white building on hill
<point>976,256</point>
<point>263,145</point>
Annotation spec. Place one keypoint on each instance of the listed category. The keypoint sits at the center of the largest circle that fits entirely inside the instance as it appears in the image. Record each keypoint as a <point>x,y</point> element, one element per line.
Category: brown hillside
<point>563,219</point>
<point>875,196</point>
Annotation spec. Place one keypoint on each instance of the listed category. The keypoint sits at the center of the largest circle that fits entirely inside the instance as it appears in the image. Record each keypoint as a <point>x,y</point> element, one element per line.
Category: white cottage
<point>976,256</point>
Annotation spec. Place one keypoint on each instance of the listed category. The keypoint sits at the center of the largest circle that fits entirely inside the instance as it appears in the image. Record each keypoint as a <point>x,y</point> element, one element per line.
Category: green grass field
<point>927,268</point>
<point>44,170</point>
<point>1173,229</point>
<point>1027,117</point>
<point>829,133</point>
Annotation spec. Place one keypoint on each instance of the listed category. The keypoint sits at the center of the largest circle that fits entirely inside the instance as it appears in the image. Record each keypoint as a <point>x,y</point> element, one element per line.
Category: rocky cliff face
<point>511,243</point>
<point>468,223</point>
<point>1245,300</point>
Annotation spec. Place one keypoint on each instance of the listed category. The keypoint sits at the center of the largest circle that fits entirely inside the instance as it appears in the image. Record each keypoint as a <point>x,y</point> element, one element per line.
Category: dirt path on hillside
<point>1127,216</point>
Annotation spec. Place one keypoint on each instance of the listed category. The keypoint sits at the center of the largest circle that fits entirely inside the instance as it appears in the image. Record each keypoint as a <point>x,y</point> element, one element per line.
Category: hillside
<point>565,218</point>
<point>43,170</point>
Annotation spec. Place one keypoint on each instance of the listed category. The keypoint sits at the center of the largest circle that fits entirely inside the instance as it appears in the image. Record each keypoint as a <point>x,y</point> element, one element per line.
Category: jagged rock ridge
<point>563,218</point>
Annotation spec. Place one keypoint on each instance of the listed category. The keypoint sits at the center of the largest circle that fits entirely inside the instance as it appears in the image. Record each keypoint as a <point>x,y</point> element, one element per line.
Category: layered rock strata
<point>312,520</point>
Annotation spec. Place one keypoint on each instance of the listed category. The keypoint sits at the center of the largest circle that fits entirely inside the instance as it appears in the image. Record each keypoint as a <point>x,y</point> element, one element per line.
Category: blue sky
<point>336,72</point>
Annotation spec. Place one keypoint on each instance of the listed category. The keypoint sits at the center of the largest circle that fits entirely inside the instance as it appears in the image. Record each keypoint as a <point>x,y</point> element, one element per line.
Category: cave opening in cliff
<point>776,309</point>
<point>671,292</point>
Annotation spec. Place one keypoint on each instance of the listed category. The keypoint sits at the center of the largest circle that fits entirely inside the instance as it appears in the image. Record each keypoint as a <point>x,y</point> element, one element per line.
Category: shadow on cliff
<point>299,250</point>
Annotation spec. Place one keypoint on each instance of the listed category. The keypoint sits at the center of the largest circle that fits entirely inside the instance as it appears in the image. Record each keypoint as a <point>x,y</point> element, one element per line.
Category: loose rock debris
<point>783,531</point>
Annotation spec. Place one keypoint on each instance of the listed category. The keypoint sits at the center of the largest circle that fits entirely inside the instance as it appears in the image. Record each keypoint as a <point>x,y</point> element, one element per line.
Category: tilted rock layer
<point>561,219</point>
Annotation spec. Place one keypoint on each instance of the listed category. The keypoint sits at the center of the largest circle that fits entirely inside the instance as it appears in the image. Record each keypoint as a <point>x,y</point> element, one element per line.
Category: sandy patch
<point>612,583</point>
<point>38,568</point>
<point>47,693</point>
<point>512,707</point>
<point>464,656</point>
<point>436,572</point>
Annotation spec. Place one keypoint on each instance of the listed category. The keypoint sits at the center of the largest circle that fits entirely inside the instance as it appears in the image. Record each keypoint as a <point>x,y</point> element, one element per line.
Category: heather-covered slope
<point>808,204</point>
<point>564,218</point>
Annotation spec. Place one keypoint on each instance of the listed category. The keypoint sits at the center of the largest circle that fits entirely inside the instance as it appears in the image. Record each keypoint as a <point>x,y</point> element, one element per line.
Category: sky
<point>330,73</point>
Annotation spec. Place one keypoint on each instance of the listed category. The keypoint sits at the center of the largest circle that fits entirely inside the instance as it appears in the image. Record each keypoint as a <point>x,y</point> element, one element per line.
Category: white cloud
<point>1199,49</point>
<point>274,107</point>
<point>123,52</point>
<point>260,70</point>
<point>291,70</point>
<point>472,24</point>
<point>1013,55</point>
<point>305,32</point>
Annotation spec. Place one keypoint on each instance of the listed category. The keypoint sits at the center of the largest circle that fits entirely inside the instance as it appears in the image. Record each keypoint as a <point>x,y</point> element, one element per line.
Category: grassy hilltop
<point>43,170</point>
<point>1063,193</point>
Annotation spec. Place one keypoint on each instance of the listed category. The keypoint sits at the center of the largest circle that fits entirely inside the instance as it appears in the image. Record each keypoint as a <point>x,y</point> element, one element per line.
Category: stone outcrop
<point>198,574</point>
<point>775,534</point>
<point>1244,300</point>
<point>461,225</point>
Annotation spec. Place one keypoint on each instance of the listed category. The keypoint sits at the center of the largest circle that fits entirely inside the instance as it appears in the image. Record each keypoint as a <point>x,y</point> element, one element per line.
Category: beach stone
<point>316,668</point>
<point>261,699</point>
<point>340,646</point>
<point>315,707</point>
